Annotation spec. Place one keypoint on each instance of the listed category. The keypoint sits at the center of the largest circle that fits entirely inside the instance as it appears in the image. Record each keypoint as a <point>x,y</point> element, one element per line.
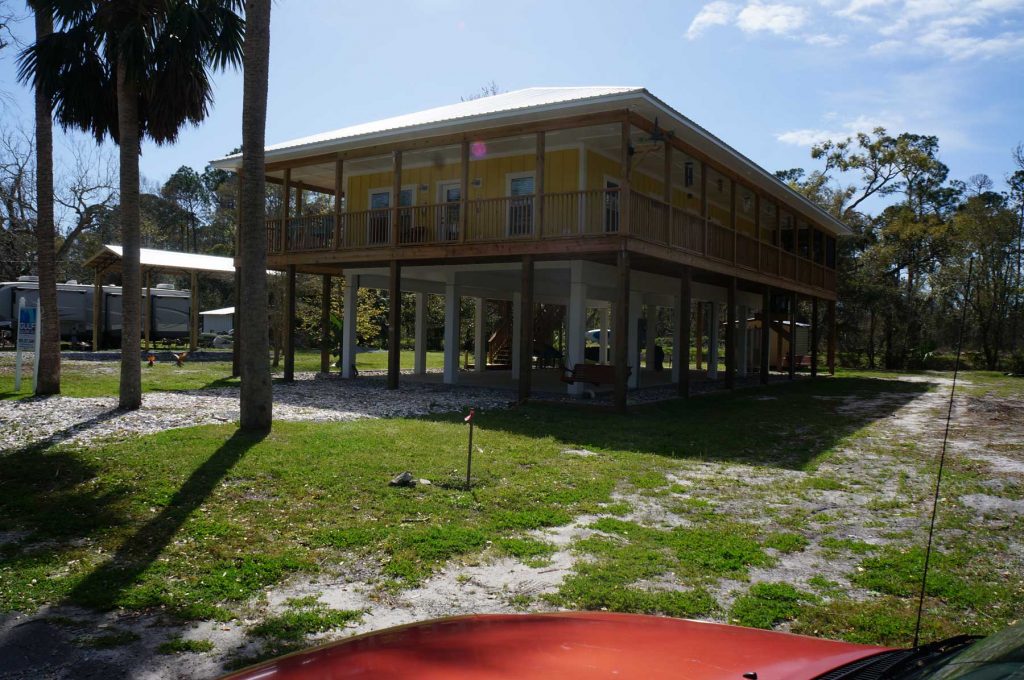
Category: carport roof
<point>109,257</point>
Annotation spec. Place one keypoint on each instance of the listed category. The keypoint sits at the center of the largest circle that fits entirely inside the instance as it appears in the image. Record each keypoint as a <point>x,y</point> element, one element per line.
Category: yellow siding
<point>561,173</point>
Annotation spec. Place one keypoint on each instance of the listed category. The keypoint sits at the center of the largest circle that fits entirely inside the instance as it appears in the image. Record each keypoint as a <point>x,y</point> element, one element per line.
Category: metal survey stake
<point>469,453</point>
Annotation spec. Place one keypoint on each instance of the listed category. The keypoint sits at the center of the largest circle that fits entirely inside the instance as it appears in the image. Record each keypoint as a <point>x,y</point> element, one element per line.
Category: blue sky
<point>769,77</point>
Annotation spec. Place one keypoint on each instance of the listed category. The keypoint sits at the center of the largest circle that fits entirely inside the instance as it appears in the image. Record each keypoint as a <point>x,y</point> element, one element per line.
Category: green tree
<point>187,189</point>
<point>131,69</point>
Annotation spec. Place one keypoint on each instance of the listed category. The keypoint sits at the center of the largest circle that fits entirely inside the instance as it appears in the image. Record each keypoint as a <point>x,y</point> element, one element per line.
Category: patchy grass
<point>200,522</point>
<point>179,645</point>
<point>101,378</point>
<point>109,640</point>
<point>768,604</point>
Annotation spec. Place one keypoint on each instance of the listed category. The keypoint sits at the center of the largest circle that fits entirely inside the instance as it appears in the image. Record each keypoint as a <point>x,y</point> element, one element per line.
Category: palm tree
<point>131,69</point>
<point>49,342</point>
<point>256,403</point>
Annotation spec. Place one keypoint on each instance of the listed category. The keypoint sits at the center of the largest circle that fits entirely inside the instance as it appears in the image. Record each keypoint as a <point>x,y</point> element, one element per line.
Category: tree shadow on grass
<point>788,426</point>
<point>104,586</point>
<point>45,490</point>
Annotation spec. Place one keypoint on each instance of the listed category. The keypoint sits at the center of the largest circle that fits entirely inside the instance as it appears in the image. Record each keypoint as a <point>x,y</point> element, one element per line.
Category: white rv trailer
<point>169,317</point>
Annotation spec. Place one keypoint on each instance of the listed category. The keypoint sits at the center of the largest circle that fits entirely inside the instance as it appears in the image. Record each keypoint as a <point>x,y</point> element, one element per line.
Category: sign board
<point>27,328</point>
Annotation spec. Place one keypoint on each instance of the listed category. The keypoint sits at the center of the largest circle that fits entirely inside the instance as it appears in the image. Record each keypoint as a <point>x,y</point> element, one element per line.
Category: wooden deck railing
<point>572,214</point>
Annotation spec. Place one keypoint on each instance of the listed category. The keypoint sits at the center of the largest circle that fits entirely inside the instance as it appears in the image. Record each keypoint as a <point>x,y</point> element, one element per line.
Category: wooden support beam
<point>704,204</point>
<point>325,324</point>
<point>463,190</point>
<point>699,344</point>
<point>766,337</point>
<point>286,205</point>
<point>97,310</point>
<point>832,337</point>
<point>625,161</point>
<point>538,206</point>
<point>193,336</point>
<point>289,324</point>
<point>339,195</point>
<point>620,336</point>
<point>792,336</point>
<point>396,194</point>
<point>147,312</point>
<point>526,329</point>
<point>814,336</point>
<point>299,199</point>
<point>730,335</point>
<point>394,323</point>
<point>667,192</point>
<point>732,217</point>
<point>683,331</point>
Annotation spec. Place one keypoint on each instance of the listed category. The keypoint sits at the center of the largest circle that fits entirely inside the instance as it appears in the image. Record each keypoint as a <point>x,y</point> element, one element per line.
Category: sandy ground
<point>43,645</point>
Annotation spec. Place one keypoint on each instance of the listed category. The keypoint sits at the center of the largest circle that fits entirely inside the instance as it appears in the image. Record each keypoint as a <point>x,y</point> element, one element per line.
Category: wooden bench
<point>592,374</point>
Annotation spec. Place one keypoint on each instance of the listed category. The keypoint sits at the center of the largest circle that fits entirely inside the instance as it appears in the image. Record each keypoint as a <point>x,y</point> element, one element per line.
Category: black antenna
<point>942,457</point>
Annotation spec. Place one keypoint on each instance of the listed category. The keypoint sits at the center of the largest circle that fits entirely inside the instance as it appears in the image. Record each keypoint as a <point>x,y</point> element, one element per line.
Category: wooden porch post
<point>683,332</point>
<point>526,329</point>
<point>814,336</point>
<point>339,195</point>
<point>704,205</point>
<point>730,335</point>
<point>299,199</point>
<point>97,310</point>
<point>286,188</point>
<point>396,195</point>
<point>148,310</point>
<point>325,324</point>
<point>624,184</point>
<point>463,190</point>
<point>394,323</point>
<point>620,337</point>
<point>732,219</point>
<point>832,337</point>
<point>699,344</point>
<point>667,180</point>
<point>538,208</point>
<point>766,337</point>
<point>792,336</point>
<point>193,336</point>
<point>289,324</point>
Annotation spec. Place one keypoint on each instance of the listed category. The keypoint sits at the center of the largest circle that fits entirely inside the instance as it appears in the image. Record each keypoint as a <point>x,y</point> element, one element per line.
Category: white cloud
<point>774,18</point>
<point>825,40</point>
<point>718,13</point>
<point>849,128</point>
<point>957,30</point>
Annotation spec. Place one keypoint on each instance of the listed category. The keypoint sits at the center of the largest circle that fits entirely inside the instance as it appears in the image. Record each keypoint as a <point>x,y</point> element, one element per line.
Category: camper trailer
<point>168,313</point>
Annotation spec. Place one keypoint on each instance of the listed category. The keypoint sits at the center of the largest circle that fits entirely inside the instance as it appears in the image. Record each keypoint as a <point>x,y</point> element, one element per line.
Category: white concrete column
<point>636,301</point>
<point>348,343</point>
<point>479,337</point>
<point>419,366</point>
<point>606,324</point>
<point>680,355</point>
<point>576,322</point>
<point>517,324</point>
<point>451,331</point>
<point>742,345</point>
<point>713,319</point>
<point>651,323</point>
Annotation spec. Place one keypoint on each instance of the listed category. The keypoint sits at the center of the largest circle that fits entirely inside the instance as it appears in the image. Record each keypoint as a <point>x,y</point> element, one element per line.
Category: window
<point>688,174</point>
<point>803,240</point>
<point>830,252</point>
<point>379,222</point>
<point>520,206</point>
<point>819,247</point>
<point>786,233</point>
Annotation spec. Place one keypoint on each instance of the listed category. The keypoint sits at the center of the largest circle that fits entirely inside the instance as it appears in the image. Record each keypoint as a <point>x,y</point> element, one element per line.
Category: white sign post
<point>28,340</point>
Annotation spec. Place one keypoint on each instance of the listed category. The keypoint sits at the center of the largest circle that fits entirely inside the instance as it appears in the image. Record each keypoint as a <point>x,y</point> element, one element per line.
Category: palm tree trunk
<point>256,404</point>
<point>49,345</point>
<point>131,272</point>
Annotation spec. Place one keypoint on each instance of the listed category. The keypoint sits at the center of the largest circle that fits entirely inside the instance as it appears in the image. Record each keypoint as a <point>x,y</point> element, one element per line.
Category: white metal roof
<point>538,103</point>
<point>223,311</point>
<point>530,98</point>
<point>169,259</point>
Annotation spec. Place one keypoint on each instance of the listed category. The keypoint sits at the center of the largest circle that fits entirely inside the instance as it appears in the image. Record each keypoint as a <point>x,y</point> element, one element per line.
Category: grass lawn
<point>101,378</point>
<point>198,522</point>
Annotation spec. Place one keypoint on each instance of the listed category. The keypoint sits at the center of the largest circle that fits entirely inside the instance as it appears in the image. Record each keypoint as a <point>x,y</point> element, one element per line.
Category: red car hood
<point>565,646</point>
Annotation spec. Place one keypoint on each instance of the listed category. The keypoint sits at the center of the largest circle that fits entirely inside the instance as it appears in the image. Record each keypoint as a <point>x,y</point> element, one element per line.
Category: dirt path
<point>871,490</point>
